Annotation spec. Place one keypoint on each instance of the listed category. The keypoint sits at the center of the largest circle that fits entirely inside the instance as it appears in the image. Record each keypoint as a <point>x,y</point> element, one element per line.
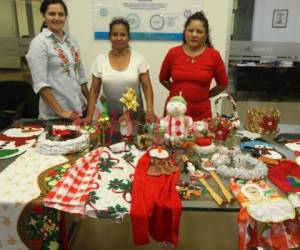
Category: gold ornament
<point>129,99</point>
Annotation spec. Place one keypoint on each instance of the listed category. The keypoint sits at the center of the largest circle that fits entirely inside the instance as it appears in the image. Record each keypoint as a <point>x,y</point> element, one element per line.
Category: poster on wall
<point>148,19</point>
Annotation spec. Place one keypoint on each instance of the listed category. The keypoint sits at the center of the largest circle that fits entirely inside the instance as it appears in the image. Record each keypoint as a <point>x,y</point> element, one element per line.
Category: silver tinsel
<point>231,162</point>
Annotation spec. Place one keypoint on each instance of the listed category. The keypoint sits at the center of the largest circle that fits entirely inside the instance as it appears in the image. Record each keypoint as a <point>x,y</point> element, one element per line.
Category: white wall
<point>80,27</point>
<point>262,21</point>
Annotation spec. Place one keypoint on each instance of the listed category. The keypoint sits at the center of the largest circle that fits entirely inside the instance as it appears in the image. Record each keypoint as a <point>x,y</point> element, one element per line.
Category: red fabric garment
<point>193,79</point>
<point>155,205</point>
<point>286,176</point>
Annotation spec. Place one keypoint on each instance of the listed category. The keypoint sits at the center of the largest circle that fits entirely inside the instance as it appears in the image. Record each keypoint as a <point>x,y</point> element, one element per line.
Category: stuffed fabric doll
<point>176,124</point>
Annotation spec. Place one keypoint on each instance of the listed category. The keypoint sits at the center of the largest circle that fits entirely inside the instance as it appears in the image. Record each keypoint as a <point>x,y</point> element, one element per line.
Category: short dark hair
<point>119,21</point>
<point>198,16</point>
<point>45,4</point>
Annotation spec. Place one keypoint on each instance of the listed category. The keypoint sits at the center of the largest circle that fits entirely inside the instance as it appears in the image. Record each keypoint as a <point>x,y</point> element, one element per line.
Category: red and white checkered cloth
<point>72,190</point>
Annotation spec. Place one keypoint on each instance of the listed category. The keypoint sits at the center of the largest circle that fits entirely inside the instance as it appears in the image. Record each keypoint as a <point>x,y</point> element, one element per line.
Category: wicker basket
<point>223,125</point>
<point>263,120</point>
<point>234,117</point>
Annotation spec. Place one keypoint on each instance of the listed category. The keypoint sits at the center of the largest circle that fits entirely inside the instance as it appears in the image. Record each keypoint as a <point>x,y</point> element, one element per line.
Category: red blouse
<point>192,77</point>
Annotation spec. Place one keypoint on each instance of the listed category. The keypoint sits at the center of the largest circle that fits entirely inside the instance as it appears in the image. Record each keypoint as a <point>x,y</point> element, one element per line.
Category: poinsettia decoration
<point>269,124</point>
<point>220,127</point>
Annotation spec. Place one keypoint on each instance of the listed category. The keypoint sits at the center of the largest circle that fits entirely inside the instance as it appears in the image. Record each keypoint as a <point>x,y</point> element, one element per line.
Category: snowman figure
<point>176,123</point>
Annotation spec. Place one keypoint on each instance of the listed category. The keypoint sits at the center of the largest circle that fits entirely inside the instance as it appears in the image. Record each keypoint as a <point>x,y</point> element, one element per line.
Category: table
<point>200,218</point>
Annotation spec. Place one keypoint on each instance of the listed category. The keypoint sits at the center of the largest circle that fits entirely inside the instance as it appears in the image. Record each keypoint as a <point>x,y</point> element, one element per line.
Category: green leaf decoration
<point>129,157</point>
<point>105,164</point>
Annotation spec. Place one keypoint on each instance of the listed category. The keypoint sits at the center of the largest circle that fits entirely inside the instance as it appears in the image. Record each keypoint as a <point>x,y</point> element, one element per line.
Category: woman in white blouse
<point>56,68</point>
<point>118,69</point>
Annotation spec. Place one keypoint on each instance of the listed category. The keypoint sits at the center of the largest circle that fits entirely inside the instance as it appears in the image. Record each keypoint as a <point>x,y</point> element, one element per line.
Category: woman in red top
<point>190,68</point>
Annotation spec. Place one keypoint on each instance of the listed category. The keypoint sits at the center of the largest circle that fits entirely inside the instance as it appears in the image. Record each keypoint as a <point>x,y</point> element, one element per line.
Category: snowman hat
<point>178,98</point>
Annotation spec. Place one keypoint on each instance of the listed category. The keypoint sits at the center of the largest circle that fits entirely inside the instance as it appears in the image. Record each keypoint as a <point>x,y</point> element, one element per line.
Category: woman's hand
<point>151,117</point>
<point>68,114</point>
<point>87,120</point>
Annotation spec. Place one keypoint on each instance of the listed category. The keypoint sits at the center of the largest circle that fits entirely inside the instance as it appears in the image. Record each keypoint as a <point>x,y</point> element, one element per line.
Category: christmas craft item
<point>286,175</point>
<point>200,129</point>
<point>176,124</point>
<point>294,145</point>
<point>15,141</point>
<point>233,118</point>
<point>155,205</point>
<point>287,137</point>
<point>40,227</point>
<point>19,187</point>
<point>71,192</point>
<point>262,150</point>
<point>24,131</point>
<point>208,166</point>
<point>110,195</point>
<point>129,103</point>
<point>295,200</point>
<point>102,121</point>
<point>199,175</point>
<point>231,163</point>
<point>62,139</point>
<point>8,150</point>
<point>263,120</point>
<point>221,128</point>
<point>160,162</point>
<point>254,234</point>
<point>144,141</point>
<point>263,203</point>
<point>157,134</point>
<point>187,189</point>
<point>204,145</point>
<point>120,147</point>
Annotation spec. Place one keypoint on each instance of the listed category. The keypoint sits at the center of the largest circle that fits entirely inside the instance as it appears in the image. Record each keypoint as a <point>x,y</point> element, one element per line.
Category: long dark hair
<point>199,16</point>
<point>119,21</point>
<point>44,6</point>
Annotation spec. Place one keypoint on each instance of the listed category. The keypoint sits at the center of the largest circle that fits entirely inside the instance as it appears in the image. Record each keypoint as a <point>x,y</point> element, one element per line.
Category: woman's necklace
<point>193,54</point>
<point>193,60</point>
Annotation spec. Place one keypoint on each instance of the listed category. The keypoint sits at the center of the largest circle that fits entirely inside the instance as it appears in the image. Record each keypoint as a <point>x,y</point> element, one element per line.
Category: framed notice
<point>279,19</point>
<point>148,19</point>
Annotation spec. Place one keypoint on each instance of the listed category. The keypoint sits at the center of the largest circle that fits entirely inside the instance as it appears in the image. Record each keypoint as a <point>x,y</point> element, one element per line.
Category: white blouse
<point>56,63</point>
<point>115,82</point>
